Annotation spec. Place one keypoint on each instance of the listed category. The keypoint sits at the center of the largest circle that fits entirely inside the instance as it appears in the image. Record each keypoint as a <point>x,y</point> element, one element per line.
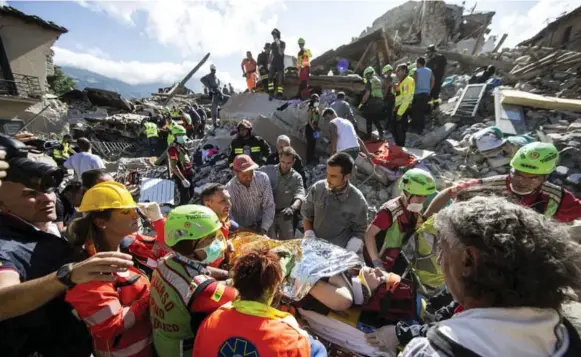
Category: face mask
<point>518,192</point>
<point>213,251</point>
<point>415,207</point>
<point>180,140</point>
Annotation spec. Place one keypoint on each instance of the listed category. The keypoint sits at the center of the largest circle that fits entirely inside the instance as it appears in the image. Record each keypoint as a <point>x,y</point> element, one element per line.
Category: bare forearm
<point>370,246</point>
<point>19,299</point>
<point>178,173</point>
<point>218,274</point>
<point>307,224</point>
<point>438,203</point>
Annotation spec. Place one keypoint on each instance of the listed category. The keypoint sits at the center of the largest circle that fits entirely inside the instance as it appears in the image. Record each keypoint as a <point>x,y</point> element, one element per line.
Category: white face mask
<point>518,192</point>
<point>415,207</point>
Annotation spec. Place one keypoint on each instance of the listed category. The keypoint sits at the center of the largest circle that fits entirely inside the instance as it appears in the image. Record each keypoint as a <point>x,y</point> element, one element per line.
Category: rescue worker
<point>304,67</point>
<point>181,165</point>
<point>343,136</point>
<point>216,197</point>
<point>182,291</point>
<point>231,89</point>
<point>266,331</point>
<point>276,71</point>
<point>152,134</point>
<point>437,63</point>
<point>388,93</point>
<point>273,159</point>
<point>171,125</point>
<point>262,62</point>
<point>424,82</point>
<point>249,144</point>
<point>343,109</point>
<point>248,66</point>
<point>212,82</point>
<point>61,152</point>
<point>187,123</point>
<point>404,95</point>
<point>372,101</point>
<point>312,127</point>
<point>66,203</point>
<point>397,220</point>
<point>200,126</point>
<point>115,311</point>
<point>527,183</point>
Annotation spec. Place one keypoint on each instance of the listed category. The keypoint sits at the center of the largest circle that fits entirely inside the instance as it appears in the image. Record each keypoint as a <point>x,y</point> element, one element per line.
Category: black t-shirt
<point>277,58</point>
<point>64,210</point>
<point>51,330</point>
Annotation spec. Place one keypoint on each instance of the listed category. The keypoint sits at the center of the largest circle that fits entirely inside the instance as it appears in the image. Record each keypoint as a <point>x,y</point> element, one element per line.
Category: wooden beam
<point>363,57</point>
<point>386,45</point>
<point>502,39</point>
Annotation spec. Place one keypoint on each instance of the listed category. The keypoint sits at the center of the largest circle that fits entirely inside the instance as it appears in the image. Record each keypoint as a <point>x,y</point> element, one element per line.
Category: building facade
<point>564,32</point>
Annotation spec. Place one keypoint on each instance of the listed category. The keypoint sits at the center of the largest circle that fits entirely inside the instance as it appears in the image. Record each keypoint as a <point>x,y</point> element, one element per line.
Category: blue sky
<point>152,41</point>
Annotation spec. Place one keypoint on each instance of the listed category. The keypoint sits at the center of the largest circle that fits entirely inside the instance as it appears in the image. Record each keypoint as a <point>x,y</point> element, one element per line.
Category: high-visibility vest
<point>174,285</point>
<point>115,314</point>
<point>62,154</point>
<point>376,87</point>
<point>151,130</point>
<point>221,334</point>
<point>304,58</point>
<point>426,266</point>
<point>404,95</point>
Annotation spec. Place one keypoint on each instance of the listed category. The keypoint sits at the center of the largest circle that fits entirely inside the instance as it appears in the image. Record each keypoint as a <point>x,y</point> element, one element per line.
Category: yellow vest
<point>151,130</point>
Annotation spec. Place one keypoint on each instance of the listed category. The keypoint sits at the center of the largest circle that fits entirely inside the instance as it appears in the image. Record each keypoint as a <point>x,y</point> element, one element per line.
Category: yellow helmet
<point>107,195</point>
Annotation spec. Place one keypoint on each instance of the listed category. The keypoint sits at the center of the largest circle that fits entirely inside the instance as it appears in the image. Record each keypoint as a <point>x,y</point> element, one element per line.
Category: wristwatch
<point>64,275</point>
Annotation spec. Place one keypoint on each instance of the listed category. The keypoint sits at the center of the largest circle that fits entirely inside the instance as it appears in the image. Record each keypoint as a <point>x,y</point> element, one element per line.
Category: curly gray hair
<point>525,259</point>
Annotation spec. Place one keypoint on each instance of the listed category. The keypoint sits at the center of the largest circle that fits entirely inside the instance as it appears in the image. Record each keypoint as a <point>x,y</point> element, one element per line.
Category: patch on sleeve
<point>220,288</point>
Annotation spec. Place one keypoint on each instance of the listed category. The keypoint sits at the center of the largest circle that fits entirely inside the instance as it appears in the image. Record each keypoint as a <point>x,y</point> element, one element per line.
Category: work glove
<point>354,245</point>
<point>385,338</point>
<point>151,210</point>
<point>288,212</point>
<point>360,106</point>
<point>186,183</point>
<point>310,234</point>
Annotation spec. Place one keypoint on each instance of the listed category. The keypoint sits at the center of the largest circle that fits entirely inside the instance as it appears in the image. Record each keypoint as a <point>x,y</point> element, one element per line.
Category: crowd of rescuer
<point>36,270</point>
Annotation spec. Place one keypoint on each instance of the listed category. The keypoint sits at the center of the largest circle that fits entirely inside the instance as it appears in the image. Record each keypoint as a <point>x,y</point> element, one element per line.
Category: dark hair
<point>287,151</point>
<point>342,160</point>
<point>84,229</point>
<point>90,178</point>
<point>329,111</point>
<point>524,258</point>
<point>73,187</point>
<point>340,95</point>
<point>84,144</point>
<point>404,67</point>
<point>210,190</point>
<point>256,274</point>
<point>421,61</point>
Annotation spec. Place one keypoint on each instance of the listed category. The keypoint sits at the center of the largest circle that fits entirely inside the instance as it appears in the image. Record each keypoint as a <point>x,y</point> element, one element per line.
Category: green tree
<point>60,82</point>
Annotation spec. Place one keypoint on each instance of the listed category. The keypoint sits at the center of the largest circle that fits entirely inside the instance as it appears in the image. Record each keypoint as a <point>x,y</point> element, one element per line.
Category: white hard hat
<point>212,67</point>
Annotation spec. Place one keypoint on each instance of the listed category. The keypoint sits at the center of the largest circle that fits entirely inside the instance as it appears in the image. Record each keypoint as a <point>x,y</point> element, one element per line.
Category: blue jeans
<point>317,348</point>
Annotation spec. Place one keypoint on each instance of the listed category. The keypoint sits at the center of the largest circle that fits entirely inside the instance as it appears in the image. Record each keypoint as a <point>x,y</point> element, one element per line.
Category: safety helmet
<point>432,48</point>
<point>369,70</point>
<point>178,130</point>
<point>275,32</point>
<point>107,195</point>
<point>418,182</point>
<point>212,67</point>
<point>301,41</point>
<point>190,222</point>
<point>387,68</point>
<point>245,124</point>
<point>536,159</point>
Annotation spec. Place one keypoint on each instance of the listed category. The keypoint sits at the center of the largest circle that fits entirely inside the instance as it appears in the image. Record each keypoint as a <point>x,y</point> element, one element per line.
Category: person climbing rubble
<point>251,194</point>
<point>248,66</point>
<point>62,151</point>
<point>152,135</point>
<point>276,72</point>
<point>304,67</point>
<point>526,182</point>
<point>396,222</point>
<point>183,290</point>
<point>424,82</point>
<point>511,270</point>
<point>404,95</point>
<point>437,63</point>
<point>343,109</point>
<point>288,191</point>
<point>181,165</point>
<point>212,82</point>
<point>335,210</point>
<point>390,80</point>
<point>372,101</point>
<point>343,136</point>
<point>262,61</point>
<point>249,144</point>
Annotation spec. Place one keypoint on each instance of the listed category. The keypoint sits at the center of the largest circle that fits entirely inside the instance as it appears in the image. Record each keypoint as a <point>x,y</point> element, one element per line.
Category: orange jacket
<point>221,335</point>
<point>116,313</point>
<point>146,251</point>
<point>249,65</point>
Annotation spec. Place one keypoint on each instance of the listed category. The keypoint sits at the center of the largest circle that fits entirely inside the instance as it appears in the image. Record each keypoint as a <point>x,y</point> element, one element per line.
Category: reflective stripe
<point>255,149</point>
<point>238,151</point>
<point>105,313</point>
<point>181,286</point>
<point>151,263</point>
<point>128,318</point>
<point>280,89</point>
<point>128,351</point>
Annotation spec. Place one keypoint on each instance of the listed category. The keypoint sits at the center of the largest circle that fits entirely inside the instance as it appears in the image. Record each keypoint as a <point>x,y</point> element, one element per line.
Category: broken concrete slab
<point>249,106</point>
<point>433,138</point>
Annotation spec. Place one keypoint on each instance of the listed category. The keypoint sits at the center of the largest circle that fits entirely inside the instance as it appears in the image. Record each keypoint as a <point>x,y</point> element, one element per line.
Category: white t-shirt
<point>346,135</point>
<point>84,161</point>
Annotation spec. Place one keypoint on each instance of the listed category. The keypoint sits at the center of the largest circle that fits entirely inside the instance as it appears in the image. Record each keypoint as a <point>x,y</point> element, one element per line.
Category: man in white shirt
<point>343,135</point>
<point>84,160</point>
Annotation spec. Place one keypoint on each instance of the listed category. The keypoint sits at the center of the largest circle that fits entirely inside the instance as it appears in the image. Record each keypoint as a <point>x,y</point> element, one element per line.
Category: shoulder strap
<point>447,346</point>
<point>574,340</point>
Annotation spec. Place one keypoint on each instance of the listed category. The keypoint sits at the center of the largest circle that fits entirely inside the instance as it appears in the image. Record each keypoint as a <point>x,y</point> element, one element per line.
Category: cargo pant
<point>282,228</point>
<point>276,80</point>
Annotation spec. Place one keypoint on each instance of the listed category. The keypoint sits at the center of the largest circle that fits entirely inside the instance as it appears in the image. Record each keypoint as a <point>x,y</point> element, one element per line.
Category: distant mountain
<point>84,78</point>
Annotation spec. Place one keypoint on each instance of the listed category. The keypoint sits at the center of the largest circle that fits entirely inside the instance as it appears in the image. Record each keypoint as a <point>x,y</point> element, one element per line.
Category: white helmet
<point>212,67</point>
